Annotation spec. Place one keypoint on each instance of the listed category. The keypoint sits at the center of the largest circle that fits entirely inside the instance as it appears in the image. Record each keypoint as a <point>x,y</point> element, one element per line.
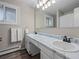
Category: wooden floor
<point>19,55</point>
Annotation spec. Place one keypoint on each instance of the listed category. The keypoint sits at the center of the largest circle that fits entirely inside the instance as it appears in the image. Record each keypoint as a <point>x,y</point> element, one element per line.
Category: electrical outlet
<point>0,38</point>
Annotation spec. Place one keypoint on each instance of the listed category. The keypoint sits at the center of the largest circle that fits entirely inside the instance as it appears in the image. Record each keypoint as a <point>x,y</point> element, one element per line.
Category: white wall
<point>39,19</point>
<point>25,14</point>
<point>25,19</point>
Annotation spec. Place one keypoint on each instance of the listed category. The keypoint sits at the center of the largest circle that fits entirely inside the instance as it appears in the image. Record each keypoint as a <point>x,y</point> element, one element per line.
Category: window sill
<point>9,23</point>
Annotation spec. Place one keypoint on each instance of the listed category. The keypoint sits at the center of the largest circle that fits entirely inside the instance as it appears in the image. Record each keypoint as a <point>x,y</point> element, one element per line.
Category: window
<point>1,12</point>
<point>7,14</point>
<point>49,21</point>
<point>10,14</point>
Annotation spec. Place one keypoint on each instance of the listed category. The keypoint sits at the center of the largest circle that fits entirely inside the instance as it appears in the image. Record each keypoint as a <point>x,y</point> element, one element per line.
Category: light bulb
<point>38,6</point>
<point>40,3</point>
<point>53,1</point>
<point>43,8</point>
<point>44,1</point>
<point>48,3</point>
<point>46,6</point>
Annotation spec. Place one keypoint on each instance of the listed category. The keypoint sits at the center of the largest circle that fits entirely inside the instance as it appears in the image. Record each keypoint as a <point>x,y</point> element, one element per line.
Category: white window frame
<point>10,6</point>
<point>46,25</point>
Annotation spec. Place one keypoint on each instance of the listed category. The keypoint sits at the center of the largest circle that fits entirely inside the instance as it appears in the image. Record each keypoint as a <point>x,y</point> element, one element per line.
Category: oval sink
<point>64,46</point>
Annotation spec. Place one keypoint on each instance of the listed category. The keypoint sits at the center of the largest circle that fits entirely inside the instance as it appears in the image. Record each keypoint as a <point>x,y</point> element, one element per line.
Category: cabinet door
<point>58,56</point>
<point>27,46</point>
<point>45,56</point>
<point>76,17</point>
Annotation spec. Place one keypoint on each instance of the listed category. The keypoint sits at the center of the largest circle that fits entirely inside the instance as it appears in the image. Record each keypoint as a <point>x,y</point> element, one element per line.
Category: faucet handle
<point>65,38</point>
<point>69,40</point>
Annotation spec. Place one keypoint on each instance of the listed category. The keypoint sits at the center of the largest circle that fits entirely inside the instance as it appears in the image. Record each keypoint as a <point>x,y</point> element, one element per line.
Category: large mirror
<point>44,19</point>
<point>58,15</point>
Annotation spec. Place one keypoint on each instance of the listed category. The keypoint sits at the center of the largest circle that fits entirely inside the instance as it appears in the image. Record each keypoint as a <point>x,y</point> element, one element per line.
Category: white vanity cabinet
<point>35,46</point>
<point>45,56</point>
<point>58,56</point>
<point>27,44</point>
<point>49,54</point>
<point>46,53</point>
<point>31,46</point>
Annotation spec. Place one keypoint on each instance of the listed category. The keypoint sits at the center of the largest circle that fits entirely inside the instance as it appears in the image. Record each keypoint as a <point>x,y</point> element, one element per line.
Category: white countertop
<point>47,41</point>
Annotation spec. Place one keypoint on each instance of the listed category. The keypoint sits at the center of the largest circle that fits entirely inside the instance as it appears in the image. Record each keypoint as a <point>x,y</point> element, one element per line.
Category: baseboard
<point>35,53</point>
<point>10,50</point>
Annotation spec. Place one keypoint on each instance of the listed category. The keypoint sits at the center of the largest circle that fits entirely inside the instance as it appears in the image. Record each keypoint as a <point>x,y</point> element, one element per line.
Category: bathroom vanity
<point>36,43</point>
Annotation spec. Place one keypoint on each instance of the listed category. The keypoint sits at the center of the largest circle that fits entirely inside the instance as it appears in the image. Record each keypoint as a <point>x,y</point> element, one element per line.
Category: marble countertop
<point>48,42</point>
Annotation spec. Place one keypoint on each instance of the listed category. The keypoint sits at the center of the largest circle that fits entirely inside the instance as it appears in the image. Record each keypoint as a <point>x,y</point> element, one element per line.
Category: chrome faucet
<point>65,39</point>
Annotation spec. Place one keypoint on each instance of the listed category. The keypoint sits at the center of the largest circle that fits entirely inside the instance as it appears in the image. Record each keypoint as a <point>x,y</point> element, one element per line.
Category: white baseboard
<point>35,53</point>
<point>10,50</point>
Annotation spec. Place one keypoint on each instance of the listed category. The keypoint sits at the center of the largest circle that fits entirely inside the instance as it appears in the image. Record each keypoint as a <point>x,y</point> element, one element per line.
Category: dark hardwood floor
<point>19,55</point>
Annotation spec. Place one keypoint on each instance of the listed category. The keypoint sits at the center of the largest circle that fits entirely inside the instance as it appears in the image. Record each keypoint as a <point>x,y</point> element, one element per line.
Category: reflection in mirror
<point>57,14</point>
<point>43,17</point>
<point>44,20</point>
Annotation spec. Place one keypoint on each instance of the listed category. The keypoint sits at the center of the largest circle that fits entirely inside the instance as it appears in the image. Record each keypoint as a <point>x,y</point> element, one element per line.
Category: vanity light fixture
<point>38,6</point>
<point>53,1</point>
<point>44,4</point>
<point>40,3</point>
<point>43,8</point>
<point>48,4</point>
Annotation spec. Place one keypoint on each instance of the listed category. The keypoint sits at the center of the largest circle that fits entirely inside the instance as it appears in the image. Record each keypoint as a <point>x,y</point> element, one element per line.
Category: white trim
<point>11,50</point>
<point>10,6</point>
<point>46,25</point>
<point>8,51</point>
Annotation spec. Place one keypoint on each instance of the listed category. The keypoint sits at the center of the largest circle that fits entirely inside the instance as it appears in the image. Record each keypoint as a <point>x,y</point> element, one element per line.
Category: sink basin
<point>64,46</point>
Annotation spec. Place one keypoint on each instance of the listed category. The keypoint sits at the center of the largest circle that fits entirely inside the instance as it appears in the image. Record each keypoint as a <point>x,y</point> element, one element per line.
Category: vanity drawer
<point>34,42</point>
